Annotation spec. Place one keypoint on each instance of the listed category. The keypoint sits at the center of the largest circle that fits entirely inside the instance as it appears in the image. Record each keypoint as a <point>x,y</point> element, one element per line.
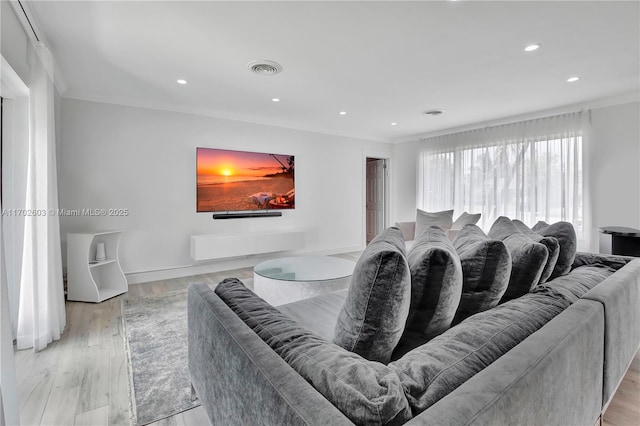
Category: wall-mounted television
<point>231,181</point>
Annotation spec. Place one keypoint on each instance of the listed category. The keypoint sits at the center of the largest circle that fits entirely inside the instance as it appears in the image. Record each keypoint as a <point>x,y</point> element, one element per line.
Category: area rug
<point>156,339</point>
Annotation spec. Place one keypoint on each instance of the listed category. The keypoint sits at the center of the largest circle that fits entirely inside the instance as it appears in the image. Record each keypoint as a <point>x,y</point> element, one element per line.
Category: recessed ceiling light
<point>343,112</point>
<point>275,100</point>
<point>181,81</point>
<point>572,79</point>
<point>532,47</point>
<point>433,112</point>
<point>394,124</point>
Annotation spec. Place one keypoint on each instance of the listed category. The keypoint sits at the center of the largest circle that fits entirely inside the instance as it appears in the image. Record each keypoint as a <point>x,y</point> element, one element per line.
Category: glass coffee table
<point>285,280</point>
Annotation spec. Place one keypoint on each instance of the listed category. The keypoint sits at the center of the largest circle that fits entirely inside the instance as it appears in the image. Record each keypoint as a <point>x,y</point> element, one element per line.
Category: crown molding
<point>608,101</point>
<point>11,85</point>
<point>211,113</point>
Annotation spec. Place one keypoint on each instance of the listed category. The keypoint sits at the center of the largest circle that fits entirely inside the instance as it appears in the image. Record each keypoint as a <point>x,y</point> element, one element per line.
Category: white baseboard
<point>138,277</point>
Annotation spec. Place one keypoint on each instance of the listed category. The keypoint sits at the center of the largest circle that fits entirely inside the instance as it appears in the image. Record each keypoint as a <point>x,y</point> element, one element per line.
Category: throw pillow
<point>566,236</point>
<point>528,258</point>
<point>436,287</point>
<point>424,220</point>
<point>375,311</point>
<point>366,392</point>
<point>466,219</point>
<point>551,243</point>
<point>408,230</point>
<point>486,267</point>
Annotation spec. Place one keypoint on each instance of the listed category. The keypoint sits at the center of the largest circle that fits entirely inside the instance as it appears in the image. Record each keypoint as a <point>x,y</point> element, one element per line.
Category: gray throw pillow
<point>486,267</point>
<point>424,220</point>
<point>408,230</point>
<point>366,392</point>
<point>465,219</point>
<point>551,243</point>
<point>566,236</point>
<point>436,287</point>
<point>375,311</point>
<point>528,258</point>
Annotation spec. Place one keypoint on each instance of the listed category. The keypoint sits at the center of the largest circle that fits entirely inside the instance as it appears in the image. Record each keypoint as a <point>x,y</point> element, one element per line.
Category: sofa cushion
<point>436,286</point>
<point>528,258</point>
<point>610,260</point>
<point>433,370</point>
<point>486,267</point>
<point>576,283</point>
<point>375,311</point>
<point>566,236</point>
<point>465,219</point>
<point>424,220</point>
<point>366,392</point>
<point>318,314</point>
<point>551,243</point>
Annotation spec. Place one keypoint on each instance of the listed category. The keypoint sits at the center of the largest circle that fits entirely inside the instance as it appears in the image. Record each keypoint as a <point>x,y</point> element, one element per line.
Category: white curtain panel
<point>8,383</point>
<point>531,170</point>
<point>41,317</point>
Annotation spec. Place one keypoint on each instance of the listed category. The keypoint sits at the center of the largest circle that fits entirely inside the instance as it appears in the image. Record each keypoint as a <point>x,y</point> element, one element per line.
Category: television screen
<point>238,180</point>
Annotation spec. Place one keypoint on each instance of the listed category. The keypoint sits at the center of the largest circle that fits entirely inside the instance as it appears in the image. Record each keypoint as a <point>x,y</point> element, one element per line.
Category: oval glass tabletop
<point>305,268</point>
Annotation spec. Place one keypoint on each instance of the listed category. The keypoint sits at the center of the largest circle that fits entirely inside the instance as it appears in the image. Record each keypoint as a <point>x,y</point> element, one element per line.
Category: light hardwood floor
<point>82,379</point>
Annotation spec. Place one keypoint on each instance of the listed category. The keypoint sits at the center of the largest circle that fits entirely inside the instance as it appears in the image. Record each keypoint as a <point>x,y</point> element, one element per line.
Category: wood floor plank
<point>95,417</point>
<point>95,379</point>
<point>33,393</point>
<point>119,398</point>
<point>624,409</point>
<point>57,410</point>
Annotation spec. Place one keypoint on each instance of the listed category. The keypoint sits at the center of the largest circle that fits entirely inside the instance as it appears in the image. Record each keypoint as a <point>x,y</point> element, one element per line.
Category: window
<point>529,171</point>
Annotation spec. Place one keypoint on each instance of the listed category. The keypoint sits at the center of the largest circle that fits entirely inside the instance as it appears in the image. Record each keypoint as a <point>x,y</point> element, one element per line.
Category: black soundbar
<point>245,215</point>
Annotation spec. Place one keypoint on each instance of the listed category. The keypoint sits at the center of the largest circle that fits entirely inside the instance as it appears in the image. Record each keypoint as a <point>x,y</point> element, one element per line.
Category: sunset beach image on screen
<point>238,180</point>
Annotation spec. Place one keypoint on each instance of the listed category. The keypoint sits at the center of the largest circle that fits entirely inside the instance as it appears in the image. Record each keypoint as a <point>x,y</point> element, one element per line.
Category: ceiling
<point>381,62</point>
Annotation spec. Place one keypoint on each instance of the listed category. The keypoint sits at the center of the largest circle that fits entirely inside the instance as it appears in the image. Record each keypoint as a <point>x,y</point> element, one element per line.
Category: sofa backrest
<point>552,377</point>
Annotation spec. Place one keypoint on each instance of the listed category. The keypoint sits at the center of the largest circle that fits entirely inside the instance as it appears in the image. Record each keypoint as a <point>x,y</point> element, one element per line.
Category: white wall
<point>144,160</point>
<point>13,41</point>
<point>404,181</point>
<point>613,161</point>
<point>615,166</point>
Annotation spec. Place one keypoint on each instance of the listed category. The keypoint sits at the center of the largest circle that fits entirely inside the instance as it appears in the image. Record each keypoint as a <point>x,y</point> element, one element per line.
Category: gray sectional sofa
<point>565,373</point>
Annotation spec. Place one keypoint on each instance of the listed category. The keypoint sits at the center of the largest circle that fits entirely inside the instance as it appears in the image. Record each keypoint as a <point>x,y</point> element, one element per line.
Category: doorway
<point>376,196</point>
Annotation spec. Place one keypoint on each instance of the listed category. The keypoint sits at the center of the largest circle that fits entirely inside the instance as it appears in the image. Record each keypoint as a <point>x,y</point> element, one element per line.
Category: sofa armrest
<point>552,377</point>
<point>239,379</point>
<point>620,296</point>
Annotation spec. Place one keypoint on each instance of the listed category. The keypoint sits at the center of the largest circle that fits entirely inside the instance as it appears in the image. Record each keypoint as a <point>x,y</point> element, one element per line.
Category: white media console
<point>220,246</point>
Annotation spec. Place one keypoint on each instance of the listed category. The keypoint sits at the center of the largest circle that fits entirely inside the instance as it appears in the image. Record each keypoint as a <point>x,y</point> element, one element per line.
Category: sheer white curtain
<point>531,170</point>
<point>41,316</point>
<point>8,383</point>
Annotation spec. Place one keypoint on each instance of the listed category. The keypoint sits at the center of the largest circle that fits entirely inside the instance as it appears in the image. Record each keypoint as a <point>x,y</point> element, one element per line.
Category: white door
<point>376,170</point>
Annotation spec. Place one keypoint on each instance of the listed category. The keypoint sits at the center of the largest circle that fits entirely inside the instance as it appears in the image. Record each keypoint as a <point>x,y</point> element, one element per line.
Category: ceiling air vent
<point>433,112</point>
<point>263,67</point>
